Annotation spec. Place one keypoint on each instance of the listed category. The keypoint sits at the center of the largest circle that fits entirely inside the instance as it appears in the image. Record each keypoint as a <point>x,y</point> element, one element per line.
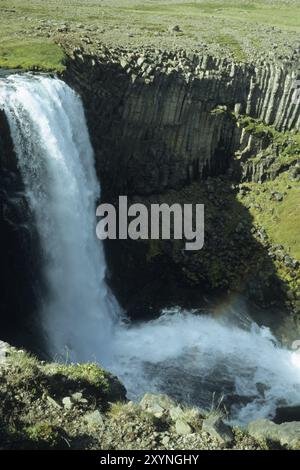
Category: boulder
<point>94,418</point>
<point>157,404</point>
<point>78,398</point>
<point>286,434</point>
<point>67,402</point>
<point>287,414</point>
<point>53,402</point>
<point>217,429</point>
<point>176,413</point>
<point>140,61</point>
<point>277,196</point>
<point>165,440</point>
<point>4,351</point>
<point>182,428</point>
<point>175,29</point>
<point>294,174</point>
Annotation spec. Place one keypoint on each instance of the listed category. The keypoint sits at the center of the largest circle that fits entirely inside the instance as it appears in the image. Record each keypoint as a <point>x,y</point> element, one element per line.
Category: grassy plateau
<point>245,30</point>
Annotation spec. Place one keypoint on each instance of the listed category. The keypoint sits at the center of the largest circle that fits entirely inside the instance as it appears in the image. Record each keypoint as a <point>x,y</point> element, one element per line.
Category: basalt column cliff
<point>178,127</point>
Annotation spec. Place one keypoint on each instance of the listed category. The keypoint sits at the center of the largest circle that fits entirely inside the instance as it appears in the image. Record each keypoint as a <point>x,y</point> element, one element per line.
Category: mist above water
<point>208,362</point>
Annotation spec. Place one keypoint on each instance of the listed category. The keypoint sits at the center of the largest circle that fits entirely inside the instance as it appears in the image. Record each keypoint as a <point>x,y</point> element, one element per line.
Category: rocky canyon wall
<point>20,277</point>
<point>159,120</point>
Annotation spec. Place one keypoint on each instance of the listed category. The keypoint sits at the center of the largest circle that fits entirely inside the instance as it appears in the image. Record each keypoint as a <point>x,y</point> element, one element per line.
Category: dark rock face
<point>151,137</point>
<point>161,123</point>
<point>19,273</point>
<point>287,414</point>
<point>149,274</point>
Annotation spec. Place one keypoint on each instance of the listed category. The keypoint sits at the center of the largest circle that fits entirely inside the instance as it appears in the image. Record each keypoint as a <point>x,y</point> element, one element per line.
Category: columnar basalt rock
<point>160,119</point>
<point>272,95</point>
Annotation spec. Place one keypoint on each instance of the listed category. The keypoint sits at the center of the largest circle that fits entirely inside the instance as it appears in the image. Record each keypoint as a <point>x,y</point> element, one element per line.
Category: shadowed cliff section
<point>155,119</point>
<point>20,277</point>
<point>156,131</point>
<point>153,274</point>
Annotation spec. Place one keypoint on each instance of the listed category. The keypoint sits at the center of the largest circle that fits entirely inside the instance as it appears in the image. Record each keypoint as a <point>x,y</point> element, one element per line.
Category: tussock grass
<point>236,26</point>
<point>31,55</point>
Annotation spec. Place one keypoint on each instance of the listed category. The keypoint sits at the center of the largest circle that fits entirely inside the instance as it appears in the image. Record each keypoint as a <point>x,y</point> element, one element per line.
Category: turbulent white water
<point>194,358</point>
<point>203,360</point>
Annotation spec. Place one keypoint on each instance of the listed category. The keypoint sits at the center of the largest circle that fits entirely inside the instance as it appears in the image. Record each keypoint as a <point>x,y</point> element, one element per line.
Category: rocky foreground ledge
<point>57,406</point>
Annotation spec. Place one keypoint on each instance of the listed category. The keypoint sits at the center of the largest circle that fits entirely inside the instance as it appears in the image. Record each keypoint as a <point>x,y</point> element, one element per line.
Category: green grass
<point>205,7</point>
<point>31,55</point>
<point>281,220</point>
<point>233,44</point>
<point>89,372</point>
<point>285,223</point>
<point>289,142</point>
<point>281,13</point>
<point>235,27</point>
<point>43,434</point>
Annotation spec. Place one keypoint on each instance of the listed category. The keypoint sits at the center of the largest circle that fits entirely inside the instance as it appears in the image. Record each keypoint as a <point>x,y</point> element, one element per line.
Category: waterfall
<point>190,356</point>
<point>56,161</point>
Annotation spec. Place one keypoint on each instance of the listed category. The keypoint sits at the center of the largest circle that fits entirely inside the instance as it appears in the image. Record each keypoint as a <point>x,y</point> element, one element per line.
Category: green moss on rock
<point>90,372</point>
<point>43,435</point>
<point>32,54</point>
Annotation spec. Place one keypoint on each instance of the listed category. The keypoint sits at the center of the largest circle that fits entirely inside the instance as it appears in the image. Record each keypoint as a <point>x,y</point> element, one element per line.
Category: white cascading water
<point>55,158</point>
<point>192,357</point>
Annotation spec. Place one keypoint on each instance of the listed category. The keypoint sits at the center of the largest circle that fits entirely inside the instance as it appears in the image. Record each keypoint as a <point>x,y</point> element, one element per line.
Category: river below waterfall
<point>199,359</point>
